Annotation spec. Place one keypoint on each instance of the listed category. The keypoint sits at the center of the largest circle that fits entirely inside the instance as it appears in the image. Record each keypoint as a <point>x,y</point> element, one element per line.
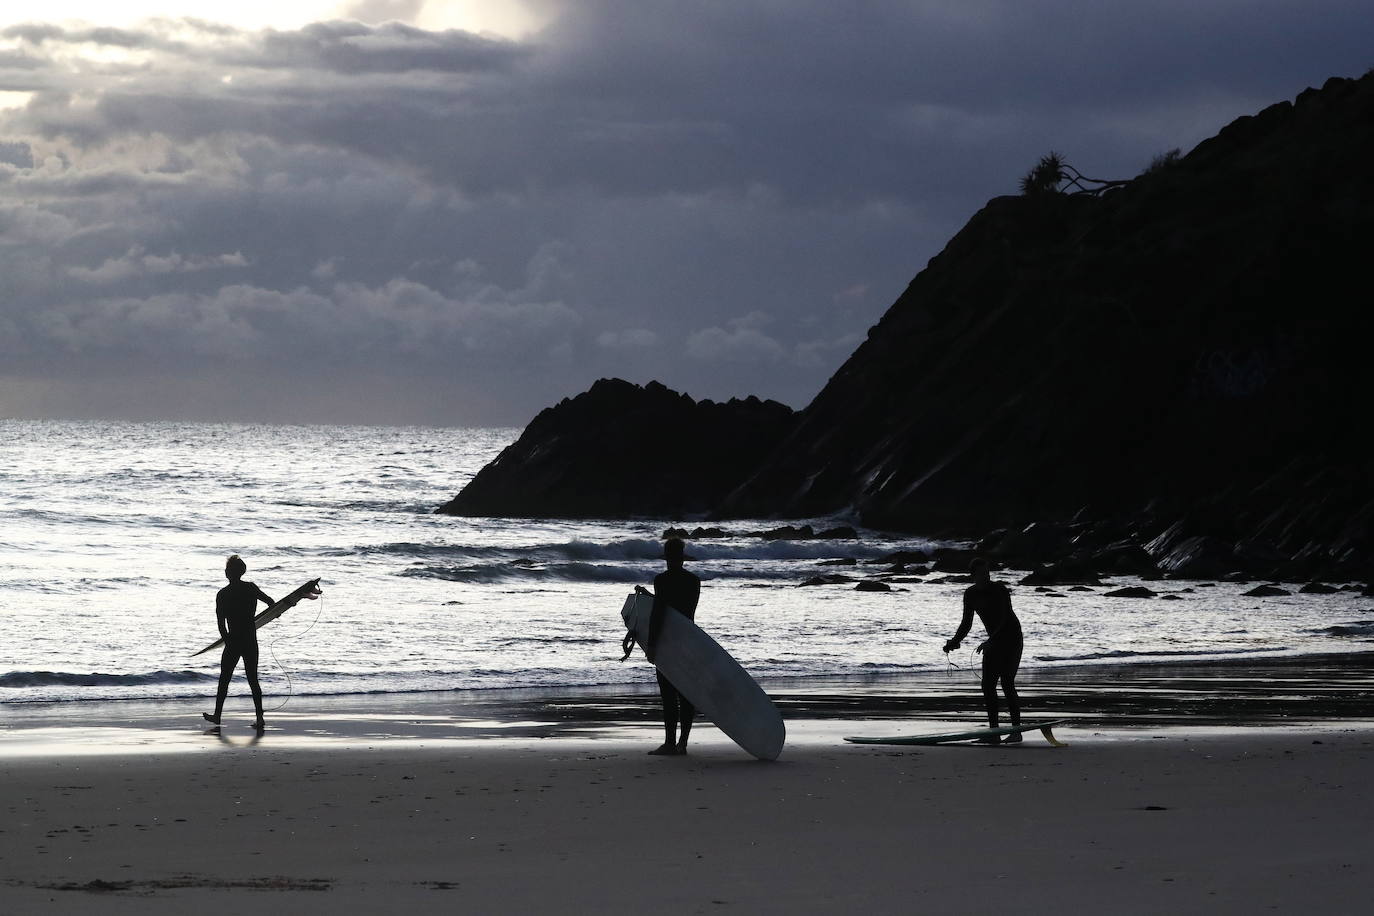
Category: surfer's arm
<point>221,620</point>
<point>695,596</point>
<point>964,626</point>
<point>264,597</point>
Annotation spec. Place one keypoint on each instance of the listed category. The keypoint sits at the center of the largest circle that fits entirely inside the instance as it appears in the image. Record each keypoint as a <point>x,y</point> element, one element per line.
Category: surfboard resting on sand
<point>977,734</point>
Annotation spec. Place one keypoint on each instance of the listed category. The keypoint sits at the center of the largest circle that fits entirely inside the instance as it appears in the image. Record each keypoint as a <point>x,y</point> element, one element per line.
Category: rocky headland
<point>1167,377</point>
<point>619,450</point>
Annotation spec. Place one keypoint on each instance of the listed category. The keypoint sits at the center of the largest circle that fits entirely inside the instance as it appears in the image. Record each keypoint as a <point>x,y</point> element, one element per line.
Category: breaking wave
<point>1160,653</point>
<point>626,550</point>
<point>1354,628</point>
<point>19,679</point>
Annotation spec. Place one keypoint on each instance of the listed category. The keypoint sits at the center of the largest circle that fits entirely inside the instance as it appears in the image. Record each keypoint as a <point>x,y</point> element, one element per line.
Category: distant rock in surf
<point>1065,572</point>
<point>620,450</point>
<point>1134,591</point>
<point>872,585</point>
<point>827,579</point>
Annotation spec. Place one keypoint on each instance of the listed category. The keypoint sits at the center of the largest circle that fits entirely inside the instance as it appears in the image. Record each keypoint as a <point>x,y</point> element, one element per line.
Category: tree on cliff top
<point>1046,177</point>
<point>1052,175</point>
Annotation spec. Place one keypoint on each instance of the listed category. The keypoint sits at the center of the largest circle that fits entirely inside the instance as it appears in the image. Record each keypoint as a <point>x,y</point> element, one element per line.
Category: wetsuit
<point>680,590</point>
<point>235,607</point>
<point>991,601</point>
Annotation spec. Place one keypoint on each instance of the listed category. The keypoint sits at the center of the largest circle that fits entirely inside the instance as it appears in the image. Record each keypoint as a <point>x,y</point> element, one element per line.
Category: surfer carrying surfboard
<point>235,605</point>
<point>1001,651</point>
<point>679,589</point>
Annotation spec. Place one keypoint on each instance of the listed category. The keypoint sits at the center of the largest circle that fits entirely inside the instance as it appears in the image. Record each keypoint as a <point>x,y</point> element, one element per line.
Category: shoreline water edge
<point>1318,691</point>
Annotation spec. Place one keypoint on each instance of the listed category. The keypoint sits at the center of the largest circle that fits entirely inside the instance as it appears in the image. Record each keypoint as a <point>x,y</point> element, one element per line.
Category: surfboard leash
<point>951,666</point>
<point>272,647</point>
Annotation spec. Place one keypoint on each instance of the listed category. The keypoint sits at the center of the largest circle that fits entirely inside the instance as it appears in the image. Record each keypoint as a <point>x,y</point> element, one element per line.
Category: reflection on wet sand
<point>1255,692</point>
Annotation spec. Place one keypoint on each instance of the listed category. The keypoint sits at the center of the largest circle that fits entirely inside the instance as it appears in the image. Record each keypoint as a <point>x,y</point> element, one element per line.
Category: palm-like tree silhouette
<point>1046,177</point>
<point>1052,175</point>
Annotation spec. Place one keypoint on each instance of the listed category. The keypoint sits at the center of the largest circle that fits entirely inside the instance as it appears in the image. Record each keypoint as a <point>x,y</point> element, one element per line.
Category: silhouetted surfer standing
<point>680,590</point>
<point>991,601</point>
<point>235,607</point>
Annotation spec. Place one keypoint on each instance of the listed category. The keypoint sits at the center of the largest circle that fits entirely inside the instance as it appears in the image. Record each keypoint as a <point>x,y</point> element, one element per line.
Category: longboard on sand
<point>310,589</point>
<point>709,678</point>
<point>975,735</point>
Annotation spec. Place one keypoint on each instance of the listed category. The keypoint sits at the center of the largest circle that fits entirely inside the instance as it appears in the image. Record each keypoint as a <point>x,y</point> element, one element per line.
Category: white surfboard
<point>310,589</point>
<point>710,679</point>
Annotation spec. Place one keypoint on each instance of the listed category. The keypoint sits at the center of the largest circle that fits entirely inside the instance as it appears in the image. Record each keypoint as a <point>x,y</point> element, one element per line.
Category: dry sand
<point>379,806</point>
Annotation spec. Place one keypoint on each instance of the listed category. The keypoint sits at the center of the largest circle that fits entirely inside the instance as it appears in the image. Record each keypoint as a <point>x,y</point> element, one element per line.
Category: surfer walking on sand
<point>680,590</point>
<point>235,607</point>
<point>1001,651</point>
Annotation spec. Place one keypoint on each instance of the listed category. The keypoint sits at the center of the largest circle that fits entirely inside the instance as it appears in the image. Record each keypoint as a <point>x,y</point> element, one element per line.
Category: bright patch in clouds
<point>510,18</point>
<point>245,14</point>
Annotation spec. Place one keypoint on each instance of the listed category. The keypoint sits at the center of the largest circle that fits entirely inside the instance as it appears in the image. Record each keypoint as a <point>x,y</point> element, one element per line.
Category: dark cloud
<point>16,154</point>
<point>41,34</point>
<point>354,48</point>
<point>377,222</point>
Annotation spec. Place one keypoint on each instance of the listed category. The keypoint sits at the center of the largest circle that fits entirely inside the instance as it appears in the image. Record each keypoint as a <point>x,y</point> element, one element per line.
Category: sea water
<point>113,538</point>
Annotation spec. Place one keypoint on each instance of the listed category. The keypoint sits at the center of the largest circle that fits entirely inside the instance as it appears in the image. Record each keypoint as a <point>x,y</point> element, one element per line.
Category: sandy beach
<point>517,803</point>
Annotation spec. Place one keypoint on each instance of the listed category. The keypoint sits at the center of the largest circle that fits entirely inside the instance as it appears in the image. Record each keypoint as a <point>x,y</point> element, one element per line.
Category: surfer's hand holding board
<point>628,643</point>
<point>648,642</point>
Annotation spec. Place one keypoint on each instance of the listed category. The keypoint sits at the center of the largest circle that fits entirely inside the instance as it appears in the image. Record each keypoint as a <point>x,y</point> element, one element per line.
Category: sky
<point>457,213</point>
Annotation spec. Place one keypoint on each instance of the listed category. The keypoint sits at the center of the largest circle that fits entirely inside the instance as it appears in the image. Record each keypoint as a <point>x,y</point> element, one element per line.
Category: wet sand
<point>1168,797</point>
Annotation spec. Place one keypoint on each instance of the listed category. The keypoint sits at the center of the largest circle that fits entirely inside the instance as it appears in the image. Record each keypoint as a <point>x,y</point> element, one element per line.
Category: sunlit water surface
<point>113,538</point>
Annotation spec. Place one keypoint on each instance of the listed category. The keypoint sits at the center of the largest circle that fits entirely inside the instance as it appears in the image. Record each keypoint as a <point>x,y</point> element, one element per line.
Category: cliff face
<point>620,450</point>
<point>1188,350</point>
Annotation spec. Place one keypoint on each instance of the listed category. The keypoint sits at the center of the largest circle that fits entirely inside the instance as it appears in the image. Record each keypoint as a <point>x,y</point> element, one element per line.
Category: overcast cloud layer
<point>381,224</point>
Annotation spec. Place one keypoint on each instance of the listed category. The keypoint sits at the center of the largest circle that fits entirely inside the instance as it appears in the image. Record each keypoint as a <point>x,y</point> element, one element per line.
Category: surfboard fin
<point>1048,732</point>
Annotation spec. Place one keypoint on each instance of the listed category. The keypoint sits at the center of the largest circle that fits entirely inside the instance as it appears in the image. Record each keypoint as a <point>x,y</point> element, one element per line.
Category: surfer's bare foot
<point>212,719</point>
<point>259,724</point>
<point>665,750</point>
<point>1012,739</point>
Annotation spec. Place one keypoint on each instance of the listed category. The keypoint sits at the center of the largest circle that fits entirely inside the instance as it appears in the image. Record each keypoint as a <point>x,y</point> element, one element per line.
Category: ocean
<point>113,538</point>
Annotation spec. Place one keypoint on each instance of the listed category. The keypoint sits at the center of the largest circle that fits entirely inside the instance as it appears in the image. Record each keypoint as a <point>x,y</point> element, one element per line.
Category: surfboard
<point>1045,728</point>
<point>710,678</point>
<point>310,589</point>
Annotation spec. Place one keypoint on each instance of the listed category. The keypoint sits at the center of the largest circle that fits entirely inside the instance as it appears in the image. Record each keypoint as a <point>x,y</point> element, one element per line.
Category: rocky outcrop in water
<point>621,450</point>
<point>1170,375</point>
